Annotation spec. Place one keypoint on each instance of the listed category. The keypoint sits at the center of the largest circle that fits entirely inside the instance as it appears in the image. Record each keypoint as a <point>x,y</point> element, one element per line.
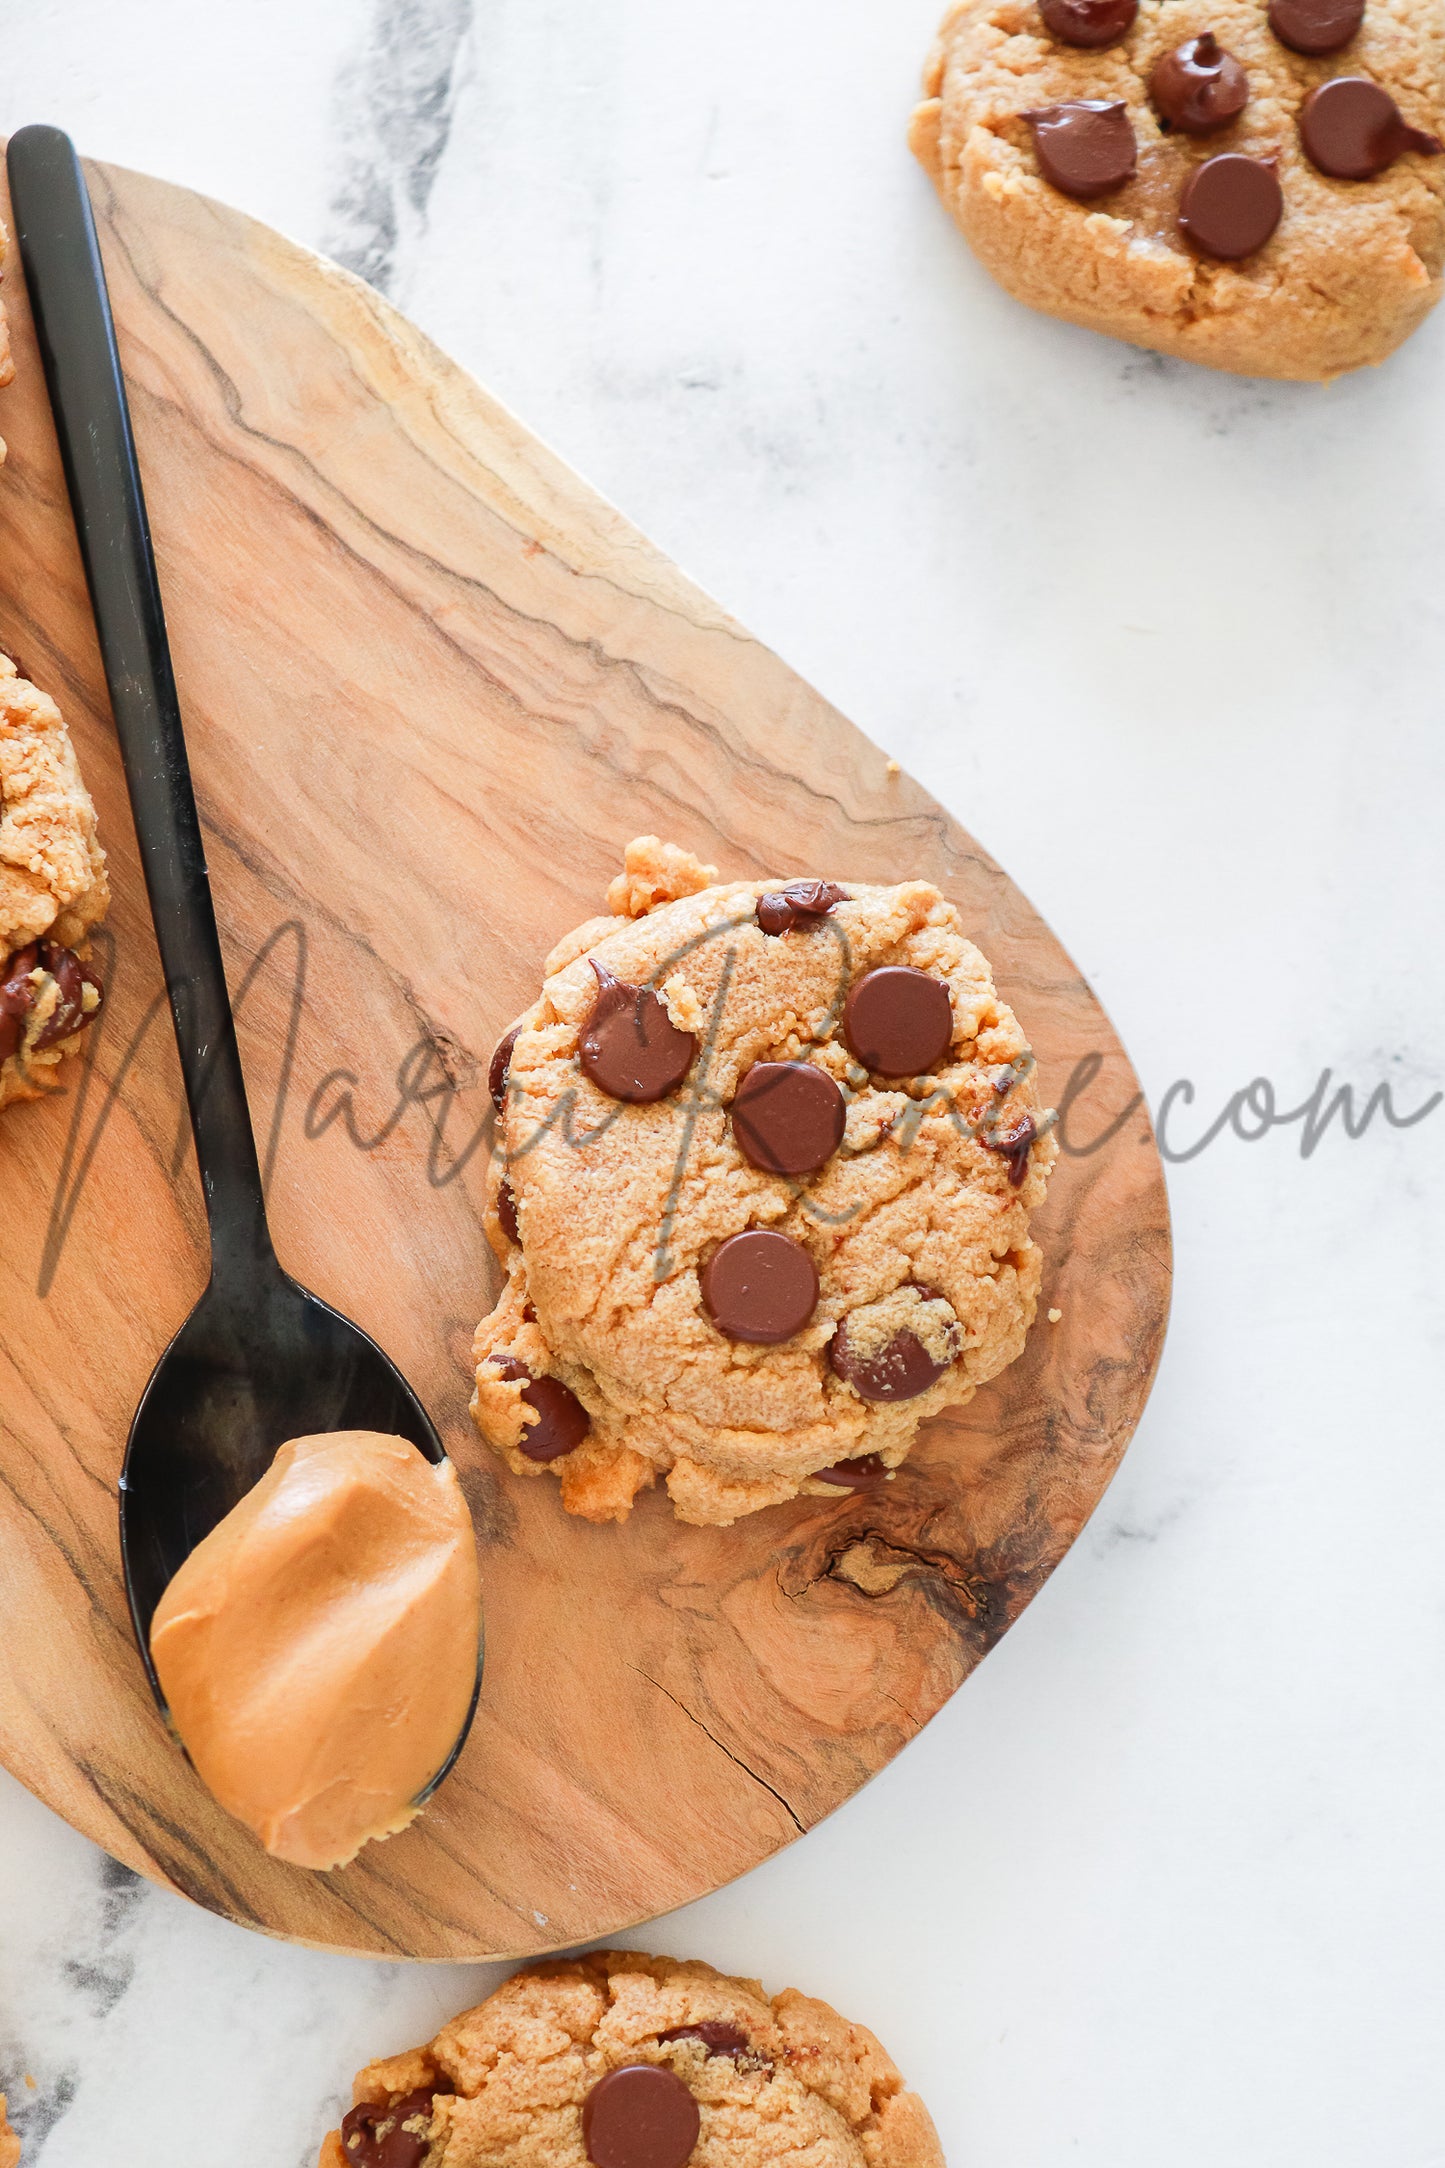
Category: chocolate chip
<point>1231,205</point>
<point>377,2137</point>
<point>564,1422</point>
<point>1352,129</point>
<point>1315,26</point>
<point>1199,86</point>
<point>788,1117</point>
<point>897,1021</point>
<point>869,1469</point>
<point>716,2037</point>
<point>1090,23</point>
<point>1013,1145</point>
<point>19,994</point>
<point>507,1212</point>
<point>1084,148</point>
<point>641,2116</point>
<point>630,1046</point>
<point>781,909</point>
<point>760,1286</point>
<point>497,1073</point>
<point>899,1370</point>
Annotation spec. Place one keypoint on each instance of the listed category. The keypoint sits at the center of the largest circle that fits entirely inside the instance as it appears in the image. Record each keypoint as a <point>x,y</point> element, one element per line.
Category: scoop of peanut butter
<point>318,1649</point>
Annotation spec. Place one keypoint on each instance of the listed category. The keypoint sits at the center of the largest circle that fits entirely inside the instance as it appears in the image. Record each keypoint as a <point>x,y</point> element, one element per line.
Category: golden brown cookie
<point>623,2061</point>
<point>1350,269</point>
<point>768,1155</point>
<point>53,891</point>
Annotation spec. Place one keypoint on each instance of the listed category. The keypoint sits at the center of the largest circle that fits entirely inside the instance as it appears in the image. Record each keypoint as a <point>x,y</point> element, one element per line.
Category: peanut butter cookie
<point>625,2061</point>
<point>53,891</point>
<point>767,1158</point>
<point>1260,188</point>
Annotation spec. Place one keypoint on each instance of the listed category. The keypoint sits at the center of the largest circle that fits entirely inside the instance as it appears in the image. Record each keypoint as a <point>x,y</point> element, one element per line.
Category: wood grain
<point>433,684</point>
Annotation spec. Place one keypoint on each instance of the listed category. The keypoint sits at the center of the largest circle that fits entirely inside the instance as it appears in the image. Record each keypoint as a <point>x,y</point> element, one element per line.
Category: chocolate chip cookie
<point>53,891</point>
<point>767,1155</point>
<point>626,2061</point>
<point>1257,185</point>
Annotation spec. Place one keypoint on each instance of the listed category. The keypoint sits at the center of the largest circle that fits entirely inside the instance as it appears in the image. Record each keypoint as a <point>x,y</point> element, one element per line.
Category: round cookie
<point>52,891</point>
<point>697,1314</point>
<point>1352,267</point>
<point>617,2060</point>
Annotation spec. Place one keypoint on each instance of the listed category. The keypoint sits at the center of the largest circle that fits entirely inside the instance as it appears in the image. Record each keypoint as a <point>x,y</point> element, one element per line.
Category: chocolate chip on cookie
<point>718,2038</point>
<point>869,1469</point>
<point>780,910</point>
<point>1013,1145</point>
<point>388,2137</point>
<point>19,994</point>
<point>1199,86</point>
<point>1315,26</point>
<point>630,1046</point>
<point>562,1422</point>
<point>897,1021</point>
<point>788,1117</point>
<point>1086,147</point>
<point>1231,205</point>
<point>507,1212</point>
<point>901,1367</point>
<point>1091,23</point>
<point>759,1286</point>
<point>500,1063</point>
<point>641,2116</point>
<point>1352,129</point>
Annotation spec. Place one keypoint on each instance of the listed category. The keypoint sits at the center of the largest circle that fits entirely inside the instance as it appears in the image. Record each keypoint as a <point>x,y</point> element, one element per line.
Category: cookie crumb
<point>1054,1316</point>
<point>894,768</point>
<point>655,872</point>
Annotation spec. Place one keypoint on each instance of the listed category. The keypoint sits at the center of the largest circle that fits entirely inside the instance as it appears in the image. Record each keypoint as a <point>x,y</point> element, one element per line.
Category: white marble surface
<point>1163,1885</point>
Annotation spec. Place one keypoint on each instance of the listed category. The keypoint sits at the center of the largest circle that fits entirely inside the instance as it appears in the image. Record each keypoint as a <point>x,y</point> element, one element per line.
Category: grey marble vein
<point>392,118</point>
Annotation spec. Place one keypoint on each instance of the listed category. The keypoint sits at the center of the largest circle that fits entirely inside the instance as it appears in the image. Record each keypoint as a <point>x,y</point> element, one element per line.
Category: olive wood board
<point>432,685</point>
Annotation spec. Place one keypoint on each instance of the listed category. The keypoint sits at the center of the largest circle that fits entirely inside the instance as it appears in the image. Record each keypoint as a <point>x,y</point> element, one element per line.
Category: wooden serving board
<point>433,684</point>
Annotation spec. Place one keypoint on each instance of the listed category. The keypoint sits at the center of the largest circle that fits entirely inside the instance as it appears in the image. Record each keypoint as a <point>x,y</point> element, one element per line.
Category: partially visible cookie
<point>53,891</point>
<point>626,2061</point>
<point>1169,173</point>
<point>768,1155</point>
<point>9,2143</point>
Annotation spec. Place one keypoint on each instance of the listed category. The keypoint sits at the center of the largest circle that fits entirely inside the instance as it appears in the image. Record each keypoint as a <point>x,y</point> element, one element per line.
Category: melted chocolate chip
<point>1089,23</point>
<point>1012,1145</point>
<point>564,1422</point>
<point>19,994</point>
<point>1315,26</point>
<point>630,1046</point>
<point>788,1117</point>
<point>497,1073</point>
<point>1231,205</point>
<point>1084,148</point>
<point>1199,86</point>
<point>899,1370</point>
<point>781,909</point>
<point>507,1212</point>
<point>641,2116</point>
<point>1352,129</point>
<point>716,2037</point>
<point>898,1022</point>
<point>374,2137</point>
<point>760,1286</point>
<point>869,1469</point>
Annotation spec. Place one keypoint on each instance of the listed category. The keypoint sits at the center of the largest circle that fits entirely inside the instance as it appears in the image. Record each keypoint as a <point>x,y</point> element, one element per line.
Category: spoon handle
<point>68,295</point>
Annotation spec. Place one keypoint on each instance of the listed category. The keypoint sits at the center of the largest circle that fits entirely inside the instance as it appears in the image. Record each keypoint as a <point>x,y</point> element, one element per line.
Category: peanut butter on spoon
<point>318,1649</point>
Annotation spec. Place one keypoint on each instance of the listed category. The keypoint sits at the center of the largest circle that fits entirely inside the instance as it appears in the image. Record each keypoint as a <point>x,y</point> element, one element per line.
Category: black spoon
<point>259,1360</point>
